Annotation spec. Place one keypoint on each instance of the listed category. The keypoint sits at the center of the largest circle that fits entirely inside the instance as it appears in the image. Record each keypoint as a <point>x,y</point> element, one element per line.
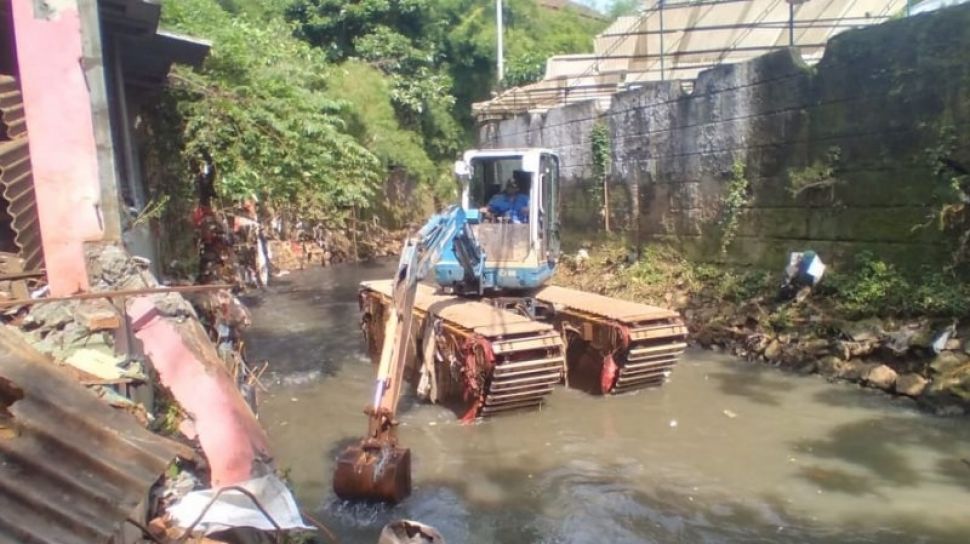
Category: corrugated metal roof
<point>71,468</point>
<point>678,39</point>
<point>16,181</point>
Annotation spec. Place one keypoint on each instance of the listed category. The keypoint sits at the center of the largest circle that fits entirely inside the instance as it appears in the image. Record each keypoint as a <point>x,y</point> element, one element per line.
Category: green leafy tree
<point>259,109</point>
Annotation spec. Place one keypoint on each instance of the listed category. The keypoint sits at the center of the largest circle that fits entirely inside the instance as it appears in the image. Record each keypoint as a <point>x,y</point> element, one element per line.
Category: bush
<point>873,287</point>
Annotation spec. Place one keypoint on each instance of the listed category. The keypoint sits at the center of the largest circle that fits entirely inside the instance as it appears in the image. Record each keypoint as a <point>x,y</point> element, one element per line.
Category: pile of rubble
<point>178,369</point>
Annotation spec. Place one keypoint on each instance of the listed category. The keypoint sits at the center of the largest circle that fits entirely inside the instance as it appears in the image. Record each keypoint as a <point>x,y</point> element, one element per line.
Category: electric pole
<point>499,29</point>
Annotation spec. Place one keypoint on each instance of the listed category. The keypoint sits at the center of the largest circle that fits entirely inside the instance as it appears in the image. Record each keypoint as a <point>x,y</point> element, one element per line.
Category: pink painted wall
<point>57,107</point>
<point>234,444</point>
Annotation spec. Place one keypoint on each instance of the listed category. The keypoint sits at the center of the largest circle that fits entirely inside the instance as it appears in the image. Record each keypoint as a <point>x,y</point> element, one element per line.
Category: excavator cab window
<point>502,240</point>
<point>489,176</point>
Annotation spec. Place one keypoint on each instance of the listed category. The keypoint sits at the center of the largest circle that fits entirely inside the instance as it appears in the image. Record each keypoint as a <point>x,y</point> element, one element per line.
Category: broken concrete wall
<point>837,157</point>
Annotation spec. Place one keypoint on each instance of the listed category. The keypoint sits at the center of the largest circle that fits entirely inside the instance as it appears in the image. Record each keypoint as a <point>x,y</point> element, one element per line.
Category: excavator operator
<point>511,204</point>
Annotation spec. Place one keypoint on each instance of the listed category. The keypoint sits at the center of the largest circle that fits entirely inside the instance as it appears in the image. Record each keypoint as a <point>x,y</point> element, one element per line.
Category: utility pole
<point>791,20</point>
<point>499,29</point>
<point>662,51</point>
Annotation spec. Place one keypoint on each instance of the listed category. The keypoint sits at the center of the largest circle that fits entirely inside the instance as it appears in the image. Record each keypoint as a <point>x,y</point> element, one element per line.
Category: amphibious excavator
<point>491,337</point>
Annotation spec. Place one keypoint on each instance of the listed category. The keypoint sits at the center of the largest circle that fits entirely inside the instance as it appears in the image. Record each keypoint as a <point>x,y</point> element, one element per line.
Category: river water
<point>728,451</point>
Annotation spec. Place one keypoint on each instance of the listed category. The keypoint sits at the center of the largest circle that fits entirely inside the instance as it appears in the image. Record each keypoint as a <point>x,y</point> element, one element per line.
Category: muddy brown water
<point>728,451</point>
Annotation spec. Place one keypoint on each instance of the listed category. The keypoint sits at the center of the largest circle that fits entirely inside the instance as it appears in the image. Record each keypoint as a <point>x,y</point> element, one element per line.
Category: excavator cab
<point>511,201</point>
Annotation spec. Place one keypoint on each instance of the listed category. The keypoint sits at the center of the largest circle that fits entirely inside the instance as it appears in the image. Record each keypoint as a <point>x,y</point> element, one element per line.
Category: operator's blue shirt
<point>503,205</point>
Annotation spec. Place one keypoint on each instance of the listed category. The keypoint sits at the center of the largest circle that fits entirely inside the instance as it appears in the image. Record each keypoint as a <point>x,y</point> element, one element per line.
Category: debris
<point>234,444</point>
<point>940,343</point>
<point>673,422</point>
<point>804,269</point>
<point>65,436</point>
<point>96,363</point>
<point>97,315</point>
<point>730,414</point>
<point>261,503</point>
<point>410,532</point>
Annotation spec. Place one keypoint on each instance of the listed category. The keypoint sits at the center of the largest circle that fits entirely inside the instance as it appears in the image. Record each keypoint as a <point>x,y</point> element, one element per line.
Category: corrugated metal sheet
<point>71,468</point>
<point>12,123</point>
<point>15,175</point>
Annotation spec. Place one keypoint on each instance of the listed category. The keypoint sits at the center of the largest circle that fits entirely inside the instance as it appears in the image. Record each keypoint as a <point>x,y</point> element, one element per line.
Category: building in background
<point>69,163</point>
<point>677,39</point>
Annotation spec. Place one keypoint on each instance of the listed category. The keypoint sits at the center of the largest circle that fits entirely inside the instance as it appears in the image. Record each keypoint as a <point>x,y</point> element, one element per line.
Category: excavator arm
<point>377,468</point>
<point>420,253</point>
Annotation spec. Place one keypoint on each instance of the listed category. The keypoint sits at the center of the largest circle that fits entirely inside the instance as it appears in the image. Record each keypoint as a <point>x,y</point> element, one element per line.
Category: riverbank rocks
<point>773,351</point>
<point>911,385</point>
<point>831,366</point>
<point>881,377</point>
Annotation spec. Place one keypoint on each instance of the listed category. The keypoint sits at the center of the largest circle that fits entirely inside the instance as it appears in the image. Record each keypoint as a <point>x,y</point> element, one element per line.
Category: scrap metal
<point>16,177</point>
<point>72,469</point>
<point>119,294</point>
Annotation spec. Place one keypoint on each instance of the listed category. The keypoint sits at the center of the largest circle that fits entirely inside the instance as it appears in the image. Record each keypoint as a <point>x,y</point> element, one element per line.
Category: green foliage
<point>873,287</point>
<point>619,8</point>
<point>600,149</point>
<point>442,49</point>
<point>370,117</point>
<point>952,191</point>
<point>661,267</point>
<point>820,174</point>
<point>524,68</point>
<point>734,204</point>
<point>259,109</point>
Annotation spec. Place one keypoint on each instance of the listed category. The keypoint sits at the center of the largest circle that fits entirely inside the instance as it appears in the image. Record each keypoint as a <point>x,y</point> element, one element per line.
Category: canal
<point>728,451</point>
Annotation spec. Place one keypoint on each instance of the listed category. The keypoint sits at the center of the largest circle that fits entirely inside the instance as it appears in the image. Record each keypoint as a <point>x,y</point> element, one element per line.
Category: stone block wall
<point>859,129</point>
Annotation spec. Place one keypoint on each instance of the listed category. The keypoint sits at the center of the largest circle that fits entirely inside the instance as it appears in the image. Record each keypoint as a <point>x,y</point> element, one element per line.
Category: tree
<point>259,112</point>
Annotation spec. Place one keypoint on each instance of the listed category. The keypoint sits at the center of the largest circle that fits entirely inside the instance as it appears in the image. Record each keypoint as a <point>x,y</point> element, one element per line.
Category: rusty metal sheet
<point>17,185</point>
<point>71,467</point>
<point>12,122</point>
<point>476,316</point>
<point>610,308</point>
<point>16,181</point>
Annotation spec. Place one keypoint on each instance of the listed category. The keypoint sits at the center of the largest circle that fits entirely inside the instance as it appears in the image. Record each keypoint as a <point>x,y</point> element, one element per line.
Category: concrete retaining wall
<point>863,125</point>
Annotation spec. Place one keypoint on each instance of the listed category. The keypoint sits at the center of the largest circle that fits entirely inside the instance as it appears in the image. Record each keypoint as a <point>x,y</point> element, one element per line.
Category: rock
<point>953,344</point>
<point>850,349</point>
<point>854,370</point>
<point>881,377</point>
<point>757,343</point>
<point>911,385</point>
<point>773,351</point>
<point>867,330</point>
<point>949,360</point>
<point>113,263</point>
<point>966,347</point>
<point>815,347</point>
<point>831,366</point>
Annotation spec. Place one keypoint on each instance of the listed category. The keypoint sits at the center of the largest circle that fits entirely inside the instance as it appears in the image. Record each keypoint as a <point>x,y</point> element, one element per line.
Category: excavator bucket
<point>373,472</point>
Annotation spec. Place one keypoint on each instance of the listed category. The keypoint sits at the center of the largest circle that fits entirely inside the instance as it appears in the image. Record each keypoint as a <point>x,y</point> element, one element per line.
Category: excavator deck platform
<point>482,358</point>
